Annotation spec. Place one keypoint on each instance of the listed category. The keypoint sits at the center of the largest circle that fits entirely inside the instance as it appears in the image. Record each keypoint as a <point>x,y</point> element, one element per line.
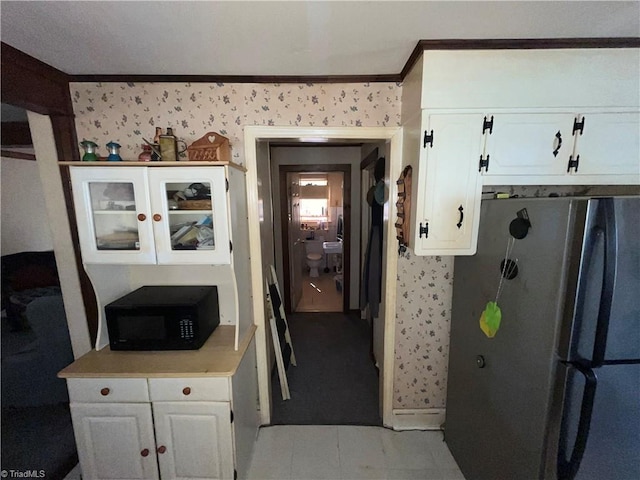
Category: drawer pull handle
<point>157,217</point>
<point>162,449</point>
<point>145,452</point>
<point>186,391</point>
<point>142,217</point>
<point>105,391</point>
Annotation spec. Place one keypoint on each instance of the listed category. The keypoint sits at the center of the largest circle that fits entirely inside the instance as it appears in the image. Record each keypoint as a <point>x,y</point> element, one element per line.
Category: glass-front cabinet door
<point>190,213</point>
<point>112,213</point>
<point>162,215</point>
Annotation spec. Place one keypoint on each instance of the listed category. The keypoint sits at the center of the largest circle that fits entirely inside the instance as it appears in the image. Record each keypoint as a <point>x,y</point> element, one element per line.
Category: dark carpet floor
<point>40,439</point>
<point>335,381</point>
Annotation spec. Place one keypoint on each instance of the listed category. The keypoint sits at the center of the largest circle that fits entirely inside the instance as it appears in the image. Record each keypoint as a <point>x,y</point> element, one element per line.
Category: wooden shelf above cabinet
<point>135,163</point>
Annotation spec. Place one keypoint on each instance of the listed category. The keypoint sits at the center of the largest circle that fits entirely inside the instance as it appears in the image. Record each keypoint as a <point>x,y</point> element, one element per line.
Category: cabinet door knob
<point>157,217</point>
<point>142,217</point>
<point>145,452</point>
<point>105,391</point>
<point>186,391</point>
<point>162,449</point>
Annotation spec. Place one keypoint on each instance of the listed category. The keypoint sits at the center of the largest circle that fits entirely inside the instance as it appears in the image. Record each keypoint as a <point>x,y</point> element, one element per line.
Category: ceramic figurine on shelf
<point>89,151</point>
<point>114,152</point>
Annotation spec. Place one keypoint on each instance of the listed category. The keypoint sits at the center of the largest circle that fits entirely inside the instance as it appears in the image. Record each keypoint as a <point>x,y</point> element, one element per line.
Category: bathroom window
<point>313,209</point>
<point>314,198</point>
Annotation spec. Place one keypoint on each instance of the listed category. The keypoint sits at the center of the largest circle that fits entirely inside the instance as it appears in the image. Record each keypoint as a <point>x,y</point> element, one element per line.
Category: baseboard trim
<point>418,419</point>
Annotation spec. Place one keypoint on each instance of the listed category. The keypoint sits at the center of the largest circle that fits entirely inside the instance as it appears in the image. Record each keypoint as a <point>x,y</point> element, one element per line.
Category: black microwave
<point>163,318</point>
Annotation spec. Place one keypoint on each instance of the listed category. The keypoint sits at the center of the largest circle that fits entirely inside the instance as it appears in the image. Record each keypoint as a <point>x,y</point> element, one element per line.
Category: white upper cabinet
<point>609,145</point>
<point>538,78</point>
<point>594,148</point>
<point>447,193</point>
<point>162,215</point>
<point>513,117</point>
<point>528,144</point>
<point>196,229</point>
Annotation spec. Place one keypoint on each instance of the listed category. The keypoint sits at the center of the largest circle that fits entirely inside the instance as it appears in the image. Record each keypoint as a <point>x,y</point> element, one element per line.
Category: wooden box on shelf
<point>211,147</point>
<point>194,204</point>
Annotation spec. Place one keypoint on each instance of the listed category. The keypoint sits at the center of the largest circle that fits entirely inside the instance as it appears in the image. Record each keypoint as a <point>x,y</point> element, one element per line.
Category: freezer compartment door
<point>606,327</point>
<point>600,431</point>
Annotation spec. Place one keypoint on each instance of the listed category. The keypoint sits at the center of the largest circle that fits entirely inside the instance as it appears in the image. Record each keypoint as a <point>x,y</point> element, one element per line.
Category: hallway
<point>335,381</point>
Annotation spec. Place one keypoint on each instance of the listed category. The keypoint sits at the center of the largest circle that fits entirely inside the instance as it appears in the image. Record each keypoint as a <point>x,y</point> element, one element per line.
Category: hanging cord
<point>510,244</point>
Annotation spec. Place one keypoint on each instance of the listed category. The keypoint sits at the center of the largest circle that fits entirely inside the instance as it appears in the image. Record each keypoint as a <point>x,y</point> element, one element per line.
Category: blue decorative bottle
<point>114,152</point>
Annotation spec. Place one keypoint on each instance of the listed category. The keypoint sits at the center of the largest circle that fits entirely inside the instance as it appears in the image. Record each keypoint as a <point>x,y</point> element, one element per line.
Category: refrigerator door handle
<point>607,213</point>
<point>567,469</point>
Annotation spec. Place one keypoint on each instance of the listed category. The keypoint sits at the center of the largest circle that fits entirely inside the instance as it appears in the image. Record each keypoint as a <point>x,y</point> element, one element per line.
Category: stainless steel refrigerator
<point>555,394</point>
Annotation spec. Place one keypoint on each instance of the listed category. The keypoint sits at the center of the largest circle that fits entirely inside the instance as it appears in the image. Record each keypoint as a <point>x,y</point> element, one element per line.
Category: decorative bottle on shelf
<point>89,150</point>
<point>155,156</point>
<point>145,156</point>
<point>168,146</point>
<point>114,152</point>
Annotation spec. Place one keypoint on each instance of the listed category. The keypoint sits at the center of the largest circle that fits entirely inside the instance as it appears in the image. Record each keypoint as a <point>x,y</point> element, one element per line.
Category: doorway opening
<point>315,218</point>
<point>265,240</point>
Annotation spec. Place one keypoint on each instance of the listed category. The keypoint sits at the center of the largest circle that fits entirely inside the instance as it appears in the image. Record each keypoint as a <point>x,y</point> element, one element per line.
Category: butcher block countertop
<point>216,358</point>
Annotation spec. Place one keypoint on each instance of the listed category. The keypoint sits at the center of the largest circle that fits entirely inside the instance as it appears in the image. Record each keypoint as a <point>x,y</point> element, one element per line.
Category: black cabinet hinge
<point>484,163</point>
<point>578,125</point>
<point>573,163</point>
<point>235,474</point>
<point>428,138</point>
<point>424,230</point>
<point>230,247</point>
<point>226,184</point>
<point>487,124</point>
<point>231,416</point>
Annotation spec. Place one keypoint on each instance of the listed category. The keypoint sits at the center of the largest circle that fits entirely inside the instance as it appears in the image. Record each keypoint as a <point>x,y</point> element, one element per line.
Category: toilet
<point>314,255</point>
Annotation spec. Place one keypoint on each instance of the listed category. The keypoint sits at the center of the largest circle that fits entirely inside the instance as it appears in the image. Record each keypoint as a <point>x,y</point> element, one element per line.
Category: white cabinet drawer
<point>108,390</point>
<point>189,389</point>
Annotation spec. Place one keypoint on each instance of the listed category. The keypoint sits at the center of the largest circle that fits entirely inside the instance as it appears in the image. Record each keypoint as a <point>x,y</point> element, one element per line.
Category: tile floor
<point>320,294</point>
<point>292,452</point>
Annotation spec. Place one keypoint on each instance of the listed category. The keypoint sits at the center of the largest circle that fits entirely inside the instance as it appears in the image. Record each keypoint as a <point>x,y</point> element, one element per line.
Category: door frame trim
<point>392,135</point>
<point>345,168</point>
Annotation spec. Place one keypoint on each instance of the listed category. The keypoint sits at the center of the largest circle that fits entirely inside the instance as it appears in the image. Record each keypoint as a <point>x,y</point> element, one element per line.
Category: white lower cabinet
<point>115,440</point>
<point>185,439</point>
<point>194,439</point>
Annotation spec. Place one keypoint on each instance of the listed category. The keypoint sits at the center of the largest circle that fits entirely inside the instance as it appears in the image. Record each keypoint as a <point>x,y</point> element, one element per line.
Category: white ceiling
<point>283,38</point>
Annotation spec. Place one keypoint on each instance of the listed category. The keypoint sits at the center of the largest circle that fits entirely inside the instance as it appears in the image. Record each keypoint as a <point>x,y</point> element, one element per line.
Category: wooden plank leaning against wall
<point>35,86</point>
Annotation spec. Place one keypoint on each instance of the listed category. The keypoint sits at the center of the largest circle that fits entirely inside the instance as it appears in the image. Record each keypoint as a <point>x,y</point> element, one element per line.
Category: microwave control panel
<point>186,329</point>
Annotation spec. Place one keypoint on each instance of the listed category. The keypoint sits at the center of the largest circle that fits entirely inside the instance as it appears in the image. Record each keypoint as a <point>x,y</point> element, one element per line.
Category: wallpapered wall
<point>126,112</point>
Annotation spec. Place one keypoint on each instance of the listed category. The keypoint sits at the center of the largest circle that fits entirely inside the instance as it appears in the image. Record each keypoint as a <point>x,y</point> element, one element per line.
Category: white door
<point>449,187</point>
<point>194,440</point>
<point>113,214</point>
<point>609,145</point>
<point>115,441</point>
<point>190,215</point>
<point>527,144</point>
